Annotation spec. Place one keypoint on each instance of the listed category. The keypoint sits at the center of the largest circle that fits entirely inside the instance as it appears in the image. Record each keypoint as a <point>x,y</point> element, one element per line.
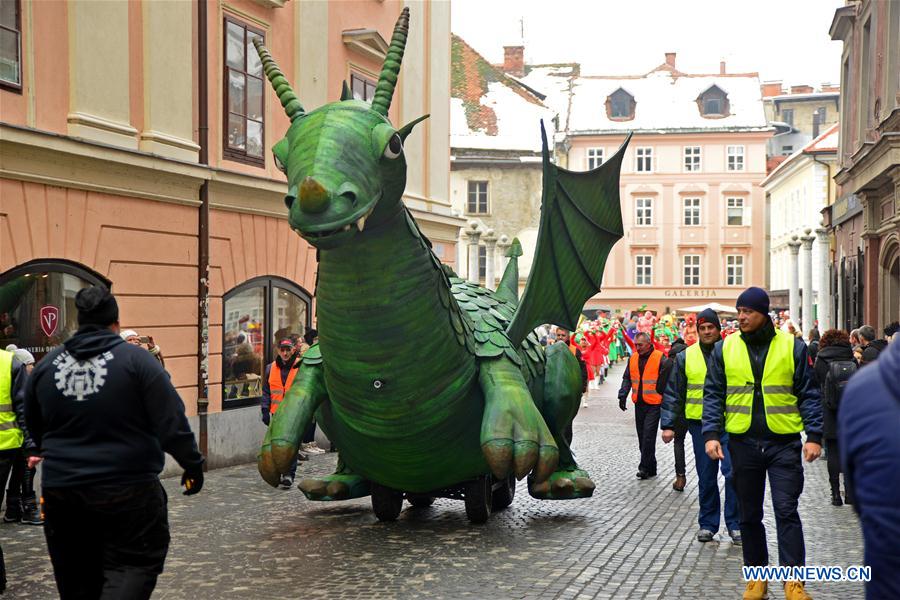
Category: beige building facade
<point>135,151</point>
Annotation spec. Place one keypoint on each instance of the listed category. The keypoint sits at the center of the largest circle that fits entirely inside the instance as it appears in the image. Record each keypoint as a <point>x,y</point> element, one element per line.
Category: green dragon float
<point>429,385</point>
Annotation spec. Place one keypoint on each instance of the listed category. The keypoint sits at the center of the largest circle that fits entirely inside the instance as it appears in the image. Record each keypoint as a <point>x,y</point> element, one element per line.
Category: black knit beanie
<point>708,315</point>
<point>754,298</point>
<point>96,306</point>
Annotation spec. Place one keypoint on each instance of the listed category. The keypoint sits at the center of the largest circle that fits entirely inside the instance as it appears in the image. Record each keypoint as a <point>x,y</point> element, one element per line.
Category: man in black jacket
<point>871,346</point>
<point>760,390</point>
<point>651,366</point>
<point>102,413</point>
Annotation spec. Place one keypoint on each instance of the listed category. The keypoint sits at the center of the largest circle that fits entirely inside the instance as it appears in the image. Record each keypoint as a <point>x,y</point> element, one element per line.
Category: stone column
<point>794,298</point>
<point>808,319</point>
<point>490,245</point>
<point>825,318</point>
<point>503,245</point>
<point>473,234</point>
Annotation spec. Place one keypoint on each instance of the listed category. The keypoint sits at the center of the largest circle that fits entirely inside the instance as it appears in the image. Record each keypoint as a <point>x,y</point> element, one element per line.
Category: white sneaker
<point>311,448</point>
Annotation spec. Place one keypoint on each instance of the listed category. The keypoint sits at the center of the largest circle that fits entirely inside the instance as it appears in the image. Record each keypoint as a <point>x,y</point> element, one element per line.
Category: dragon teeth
<point>347,227</point>
<point>361,224</point>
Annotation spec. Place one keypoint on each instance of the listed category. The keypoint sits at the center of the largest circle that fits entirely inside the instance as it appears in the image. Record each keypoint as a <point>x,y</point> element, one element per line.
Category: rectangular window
<point>482,262</point>
<point>734,269</point>
<point>787,115</point>
<point>477,203</point>
<point>643,269</point>
<point>10,44</point>
<point>643,211</point>
<point>691,269</point>
<point>712,106</point>
<point>823,114</point>
<point>692,211</point>
<point>735,209</point>
<point>691,158</point>
<point>644,158</point>
<point>362,88</point>
<point>594,158</point>
<point>244,127</point>
<point>735,160</point>
<point>787,150</point>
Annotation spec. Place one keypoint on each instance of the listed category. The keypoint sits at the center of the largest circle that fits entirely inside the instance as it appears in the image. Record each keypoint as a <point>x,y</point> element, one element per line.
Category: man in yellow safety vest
<point>13,433</point>
<point>761,391</point>
<point>683,398</point>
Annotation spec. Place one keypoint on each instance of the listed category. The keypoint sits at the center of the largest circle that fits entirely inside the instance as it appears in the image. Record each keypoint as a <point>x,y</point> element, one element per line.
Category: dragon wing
<point>581,220</point>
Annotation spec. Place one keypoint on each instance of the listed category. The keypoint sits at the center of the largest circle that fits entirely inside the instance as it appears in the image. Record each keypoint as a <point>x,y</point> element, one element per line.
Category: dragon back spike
<point>279,82</point>
<point>384,91</point>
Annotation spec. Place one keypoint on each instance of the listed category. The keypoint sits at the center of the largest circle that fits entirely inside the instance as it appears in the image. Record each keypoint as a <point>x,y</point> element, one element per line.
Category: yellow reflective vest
<point>10,435</point>
<point>695,372</point>
<point>779,401</point>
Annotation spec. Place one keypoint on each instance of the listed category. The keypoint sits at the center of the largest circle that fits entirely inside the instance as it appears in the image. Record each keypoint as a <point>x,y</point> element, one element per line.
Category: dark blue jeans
<point>752,459</point>
<point>708,484</point>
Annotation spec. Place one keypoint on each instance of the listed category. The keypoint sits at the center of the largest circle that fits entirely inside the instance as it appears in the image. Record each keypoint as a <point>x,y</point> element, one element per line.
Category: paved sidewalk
<point>634,539</point>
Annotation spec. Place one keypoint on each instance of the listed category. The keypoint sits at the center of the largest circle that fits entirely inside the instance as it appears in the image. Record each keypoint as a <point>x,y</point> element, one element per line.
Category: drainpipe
<point>203,237</point>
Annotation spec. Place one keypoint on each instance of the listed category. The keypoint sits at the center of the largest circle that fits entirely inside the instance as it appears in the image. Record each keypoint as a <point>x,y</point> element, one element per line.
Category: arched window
<point>620,106</point>
<point>713,103</point>
<point>256,316</point>
<point>37,303</point>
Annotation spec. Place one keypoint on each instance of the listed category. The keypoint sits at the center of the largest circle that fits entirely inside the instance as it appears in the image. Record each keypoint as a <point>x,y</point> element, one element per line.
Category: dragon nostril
<point>351,196</point>
<point>289,201</point>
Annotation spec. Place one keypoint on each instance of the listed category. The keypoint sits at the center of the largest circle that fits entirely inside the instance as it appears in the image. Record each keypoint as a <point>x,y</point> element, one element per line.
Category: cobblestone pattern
<point>633,539</point>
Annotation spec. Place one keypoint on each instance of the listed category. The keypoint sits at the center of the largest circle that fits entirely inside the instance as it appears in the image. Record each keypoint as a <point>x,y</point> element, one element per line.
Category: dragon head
<point>344,161</point>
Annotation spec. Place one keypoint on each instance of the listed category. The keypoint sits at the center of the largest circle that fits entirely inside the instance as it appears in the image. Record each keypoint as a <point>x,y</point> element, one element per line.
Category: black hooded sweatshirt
<point>103,411</point>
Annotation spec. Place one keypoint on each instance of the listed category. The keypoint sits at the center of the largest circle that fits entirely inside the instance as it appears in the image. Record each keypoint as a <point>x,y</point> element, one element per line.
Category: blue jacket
<point>676,391</point>
<point>868,426</point>
<point>805,388</point>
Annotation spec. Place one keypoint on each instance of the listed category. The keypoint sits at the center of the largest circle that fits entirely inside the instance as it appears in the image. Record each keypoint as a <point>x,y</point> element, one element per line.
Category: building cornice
<point>52,159</point>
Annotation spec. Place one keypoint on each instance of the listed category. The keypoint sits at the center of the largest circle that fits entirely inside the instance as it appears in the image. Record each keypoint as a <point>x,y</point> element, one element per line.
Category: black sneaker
<point>32,515</point>
<point>13,511</point>
<point>286,482</point>
<point>705,535</point>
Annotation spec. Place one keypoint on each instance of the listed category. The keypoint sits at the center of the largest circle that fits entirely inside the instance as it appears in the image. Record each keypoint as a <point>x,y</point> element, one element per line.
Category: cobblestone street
<point>634,539</point>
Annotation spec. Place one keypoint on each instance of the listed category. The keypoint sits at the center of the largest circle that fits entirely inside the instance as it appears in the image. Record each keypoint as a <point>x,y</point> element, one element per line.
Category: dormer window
<point>620,106</point>
<point>713,103</point>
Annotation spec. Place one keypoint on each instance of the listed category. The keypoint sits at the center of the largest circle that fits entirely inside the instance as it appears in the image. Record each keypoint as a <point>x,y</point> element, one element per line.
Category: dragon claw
<point>499,455</point>
<point>266,465</point>
<point>283,453</point>
<point>525,457</point>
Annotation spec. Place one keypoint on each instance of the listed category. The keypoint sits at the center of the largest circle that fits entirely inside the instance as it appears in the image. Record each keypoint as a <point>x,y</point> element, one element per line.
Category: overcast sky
<point>779,39</point>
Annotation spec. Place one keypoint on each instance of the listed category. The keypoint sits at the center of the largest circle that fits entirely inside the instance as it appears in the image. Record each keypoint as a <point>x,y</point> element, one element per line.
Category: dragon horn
<point>288,98</point>
<point>384,91</point>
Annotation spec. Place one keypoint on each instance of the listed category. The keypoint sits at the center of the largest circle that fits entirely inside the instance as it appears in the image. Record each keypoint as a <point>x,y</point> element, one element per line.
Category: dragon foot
<point>563,485</point>
<point>338,486</point>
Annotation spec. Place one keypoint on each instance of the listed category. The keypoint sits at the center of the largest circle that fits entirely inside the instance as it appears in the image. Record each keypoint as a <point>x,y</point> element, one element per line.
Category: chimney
<point>771,88</point>
<point>721,67</point>
<point>670,59</point>
<point>816,124</point>
<point>514,60</point>
<point>801,89</point>
<point>831,87</point>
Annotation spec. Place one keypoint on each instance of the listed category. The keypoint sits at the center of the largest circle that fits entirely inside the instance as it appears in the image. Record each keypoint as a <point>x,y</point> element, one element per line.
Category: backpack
<point>839,373</point>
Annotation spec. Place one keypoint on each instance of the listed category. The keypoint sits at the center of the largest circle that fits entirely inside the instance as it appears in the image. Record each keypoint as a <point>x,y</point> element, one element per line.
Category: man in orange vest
<point>278,379</point>
<point>646,376</point>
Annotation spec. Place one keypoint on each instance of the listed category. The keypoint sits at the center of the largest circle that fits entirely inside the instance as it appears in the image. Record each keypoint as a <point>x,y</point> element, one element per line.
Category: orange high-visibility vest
<point>276,388</point>
<point>647,382</point>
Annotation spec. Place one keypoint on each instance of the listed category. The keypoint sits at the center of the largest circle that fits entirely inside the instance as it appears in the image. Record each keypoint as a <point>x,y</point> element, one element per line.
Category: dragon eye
<point>278,164</point>
<point>394,147</point>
